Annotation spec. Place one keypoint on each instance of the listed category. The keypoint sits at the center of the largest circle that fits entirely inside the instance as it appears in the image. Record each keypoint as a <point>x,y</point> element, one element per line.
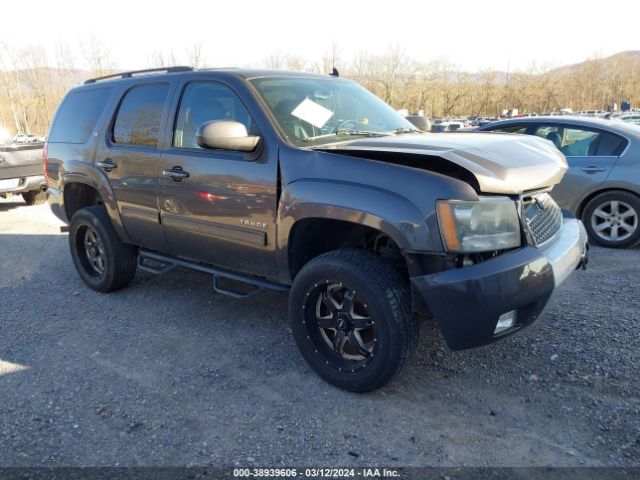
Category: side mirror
<point>420,122</point>
<point>226,135</point>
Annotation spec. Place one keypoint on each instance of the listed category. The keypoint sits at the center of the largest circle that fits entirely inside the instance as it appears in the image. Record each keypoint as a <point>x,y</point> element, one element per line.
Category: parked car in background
<point>632,118</point>
<point>480,121</point>
<point>22,172</point>
<point>602,185</point>
<point>447,125</point>
<point>592,113</point>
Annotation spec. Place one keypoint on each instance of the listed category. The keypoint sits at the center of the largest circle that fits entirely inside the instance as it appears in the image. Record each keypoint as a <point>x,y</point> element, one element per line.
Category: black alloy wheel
<point>350,314</point>
<point>94,256</point>
<point>103,261</point>
<point>346,330</point>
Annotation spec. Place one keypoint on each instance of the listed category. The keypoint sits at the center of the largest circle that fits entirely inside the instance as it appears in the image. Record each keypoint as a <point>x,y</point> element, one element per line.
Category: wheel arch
<point>84,185</point>
<point>351,210</point>
<point>604,189</point>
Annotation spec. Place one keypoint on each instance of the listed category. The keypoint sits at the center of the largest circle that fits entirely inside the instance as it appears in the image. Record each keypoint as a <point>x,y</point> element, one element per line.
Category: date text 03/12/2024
<point>315,473</point>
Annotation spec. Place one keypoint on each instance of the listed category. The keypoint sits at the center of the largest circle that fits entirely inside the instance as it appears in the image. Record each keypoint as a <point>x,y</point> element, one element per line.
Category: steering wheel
<point>345,125</point>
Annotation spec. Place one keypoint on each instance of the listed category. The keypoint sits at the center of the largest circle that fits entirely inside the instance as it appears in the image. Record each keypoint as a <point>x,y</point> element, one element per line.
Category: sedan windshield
<point>314,111</point>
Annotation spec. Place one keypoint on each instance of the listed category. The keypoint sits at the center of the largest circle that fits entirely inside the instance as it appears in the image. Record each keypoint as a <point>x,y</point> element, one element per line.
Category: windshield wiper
<point>402,130</point>
<point>363,133</point>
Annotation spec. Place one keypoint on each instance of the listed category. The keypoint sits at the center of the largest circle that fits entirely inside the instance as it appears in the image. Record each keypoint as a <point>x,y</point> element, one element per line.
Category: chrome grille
<point>543,218</point>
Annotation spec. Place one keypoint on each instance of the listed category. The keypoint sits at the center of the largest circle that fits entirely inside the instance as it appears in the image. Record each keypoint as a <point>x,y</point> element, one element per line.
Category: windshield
<point>313,111</point>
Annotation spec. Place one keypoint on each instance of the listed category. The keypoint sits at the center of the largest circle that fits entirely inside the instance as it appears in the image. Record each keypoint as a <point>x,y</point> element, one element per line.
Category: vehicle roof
<point>256,72</point>
<point>245,73</point>
<point>596,122</point>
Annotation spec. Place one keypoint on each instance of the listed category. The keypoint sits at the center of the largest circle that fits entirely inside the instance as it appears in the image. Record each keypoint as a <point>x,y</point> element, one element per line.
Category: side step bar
<point>157,263</point>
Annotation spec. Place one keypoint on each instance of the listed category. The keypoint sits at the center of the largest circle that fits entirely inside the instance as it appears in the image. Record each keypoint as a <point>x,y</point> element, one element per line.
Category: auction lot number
<point>313,472</point>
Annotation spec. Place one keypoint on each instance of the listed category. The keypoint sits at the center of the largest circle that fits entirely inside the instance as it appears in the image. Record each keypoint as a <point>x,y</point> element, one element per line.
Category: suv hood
<point>499,162</point>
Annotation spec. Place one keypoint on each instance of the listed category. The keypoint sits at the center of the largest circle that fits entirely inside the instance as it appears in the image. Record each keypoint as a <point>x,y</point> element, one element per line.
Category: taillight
<point>45,163</point>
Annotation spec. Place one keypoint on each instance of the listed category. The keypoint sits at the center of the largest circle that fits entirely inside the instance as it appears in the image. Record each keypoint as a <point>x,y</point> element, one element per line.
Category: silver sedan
<point>602,186</point>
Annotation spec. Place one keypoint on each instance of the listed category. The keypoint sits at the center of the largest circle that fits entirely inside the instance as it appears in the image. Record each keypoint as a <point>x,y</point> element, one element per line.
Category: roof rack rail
<point>136,72</point>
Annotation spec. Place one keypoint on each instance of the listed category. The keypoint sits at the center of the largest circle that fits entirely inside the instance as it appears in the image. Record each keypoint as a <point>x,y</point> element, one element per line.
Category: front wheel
<point>612,219</point>
<point>102,260</point>
<point>351,319</point>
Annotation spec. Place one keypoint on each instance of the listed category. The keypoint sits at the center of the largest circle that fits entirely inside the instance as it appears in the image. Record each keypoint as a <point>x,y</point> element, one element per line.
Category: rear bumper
<point>467,302</point>
<point>26,184</point>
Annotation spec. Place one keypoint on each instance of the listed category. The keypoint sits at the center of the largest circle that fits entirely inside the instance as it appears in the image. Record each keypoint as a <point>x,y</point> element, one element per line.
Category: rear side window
<point>78,115</point>
<point>138,119</point>
<point>582,142</point>
<point>609,145</point>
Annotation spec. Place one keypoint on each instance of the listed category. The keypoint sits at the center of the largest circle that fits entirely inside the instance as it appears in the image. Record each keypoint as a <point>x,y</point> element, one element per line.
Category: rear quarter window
<point>78,115</point>
<point>139,116</point>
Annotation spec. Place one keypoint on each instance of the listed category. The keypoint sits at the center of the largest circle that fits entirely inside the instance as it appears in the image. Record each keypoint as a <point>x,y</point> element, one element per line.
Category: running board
<point>158,263</point>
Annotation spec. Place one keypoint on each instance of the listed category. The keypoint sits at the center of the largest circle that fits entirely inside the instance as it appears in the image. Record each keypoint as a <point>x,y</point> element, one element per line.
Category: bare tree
<point>7,90</point>
<point>293,62</point>
<point>97,54</point>
<point>331,59</point>
<point>13,55</point>
<point>276,61</point>
<point>391,68</point>
<point>38,75</point>
<point>34,79</point>
<point>160,59</point>
<point>195,57</point>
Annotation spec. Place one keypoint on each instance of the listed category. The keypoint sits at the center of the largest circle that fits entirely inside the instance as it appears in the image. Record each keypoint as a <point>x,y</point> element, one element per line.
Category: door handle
<point>593,169</point>
<point>107,164</point>
<point>176,173</point>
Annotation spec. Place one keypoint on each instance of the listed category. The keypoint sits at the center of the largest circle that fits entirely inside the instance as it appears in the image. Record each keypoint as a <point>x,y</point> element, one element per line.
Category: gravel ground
<point>166,372</point>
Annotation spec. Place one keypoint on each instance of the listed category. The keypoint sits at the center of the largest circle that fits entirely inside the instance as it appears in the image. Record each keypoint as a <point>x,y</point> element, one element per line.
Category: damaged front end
<point>488,295</point>
<point>490,163</point>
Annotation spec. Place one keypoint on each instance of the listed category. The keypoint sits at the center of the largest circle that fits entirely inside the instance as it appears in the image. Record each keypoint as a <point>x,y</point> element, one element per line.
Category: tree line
<point>34,79</point>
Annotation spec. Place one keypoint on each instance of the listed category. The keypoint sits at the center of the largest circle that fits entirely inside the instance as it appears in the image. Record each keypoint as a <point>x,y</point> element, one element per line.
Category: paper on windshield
<point>312,112</point>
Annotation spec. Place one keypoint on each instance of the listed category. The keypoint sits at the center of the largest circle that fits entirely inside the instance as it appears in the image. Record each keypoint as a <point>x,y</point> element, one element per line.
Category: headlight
<point>482,226</point>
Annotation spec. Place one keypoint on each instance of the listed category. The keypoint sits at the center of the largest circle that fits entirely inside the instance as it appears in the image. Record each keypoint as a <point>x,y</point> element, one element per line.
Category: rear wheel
<point>612,219</point>
<point>351,318</point>
<point>102,260</point>
<point>35,197</point>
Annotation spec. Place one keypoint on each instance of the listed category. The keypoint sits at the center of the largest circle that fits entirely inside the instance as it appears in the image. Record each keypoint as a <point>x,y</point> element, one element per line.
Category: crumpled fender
<point>382,210</point>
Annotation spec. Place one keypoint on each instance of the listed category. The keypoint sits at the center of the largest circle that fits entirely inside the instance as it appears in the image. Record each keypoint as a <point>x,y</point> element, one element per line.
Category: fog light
<point>506,321</point>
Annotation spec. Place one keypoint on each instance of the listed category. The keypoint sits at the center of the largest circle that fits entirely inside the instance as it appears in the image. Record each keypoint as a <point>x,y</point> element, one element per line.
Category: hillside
<point>29,96</point>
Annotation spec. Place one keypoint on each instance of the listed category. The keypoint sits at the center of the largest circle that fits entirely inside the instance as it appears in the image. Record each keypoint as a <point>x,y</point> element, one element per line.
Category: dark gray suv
<point>311,186</point>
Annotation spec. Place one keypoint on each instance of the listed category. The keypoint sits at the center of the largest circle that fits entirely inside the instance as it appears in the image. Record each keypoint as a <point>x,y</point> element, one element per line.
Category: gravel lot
<point>166,372</point>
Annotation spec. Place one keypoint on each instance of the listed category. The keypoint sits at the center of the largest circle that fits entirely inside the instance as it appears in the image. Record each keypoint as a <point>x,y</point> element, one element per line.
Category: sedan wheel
<point>612,219</point>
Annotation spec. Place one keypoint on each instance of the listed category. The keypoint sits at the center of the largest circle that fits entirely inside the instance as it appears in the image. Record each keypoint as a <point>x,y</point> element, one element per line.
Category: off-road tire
<point>119,259</point>
<point>386,296</point>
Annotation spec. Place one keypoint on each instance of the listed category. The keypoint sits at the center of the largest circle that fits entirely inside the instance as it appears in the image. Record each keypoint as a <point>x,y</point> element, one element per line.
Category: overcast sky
<point>475,34</point>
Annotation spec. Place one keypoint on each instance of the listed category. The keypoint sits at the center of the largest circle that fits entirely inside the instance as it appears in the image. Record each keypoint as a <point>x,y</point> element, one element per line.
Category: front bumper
<point>467,302</point>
